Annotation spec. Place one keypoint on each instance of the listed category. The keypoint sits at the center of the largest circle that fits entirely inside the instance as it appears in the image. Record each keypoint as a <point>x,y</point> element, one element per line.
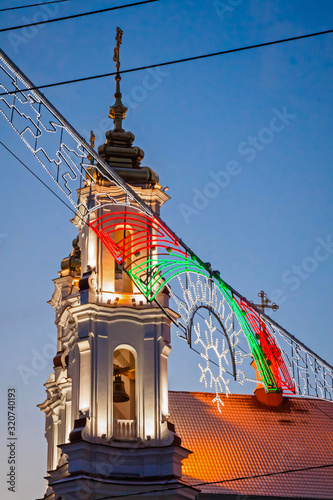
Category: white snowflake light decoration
<point>211,344</point>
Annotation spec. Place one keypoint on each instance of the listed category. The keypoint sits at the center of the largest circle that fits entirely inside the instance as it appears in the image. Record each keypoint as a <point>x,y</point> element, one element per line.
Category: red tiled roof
<point>248,438</point>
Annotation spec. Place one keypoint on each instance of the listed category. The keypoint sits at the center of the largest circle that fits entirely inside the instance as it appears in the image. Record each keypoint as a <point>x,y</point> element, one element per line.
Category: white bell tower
<point>107,421</point>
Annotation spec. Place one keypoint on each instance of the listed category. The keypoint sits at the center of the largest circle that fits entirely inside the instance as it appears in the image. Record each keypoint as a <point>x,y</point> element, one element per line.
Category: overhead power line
<point>76,15</point>
<point>32,5</point>
<point>242,478</point>
<point>176,61</point>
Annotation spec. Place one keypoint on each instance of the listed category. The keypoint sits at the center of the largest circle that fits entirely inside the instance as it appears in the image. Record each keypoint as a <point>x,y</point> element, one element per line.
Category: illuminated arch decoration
<point>283,362</point>
<point>202,292</point>
<point>156,258</point>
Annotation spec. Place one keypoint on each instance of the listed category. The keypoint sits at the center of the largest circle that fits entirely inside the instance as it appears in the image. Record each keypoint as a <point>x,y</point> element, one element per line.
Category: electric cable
<point>32,5</point>
<point>74,16</point>
<point>168,63</point>
<point>206,483</point>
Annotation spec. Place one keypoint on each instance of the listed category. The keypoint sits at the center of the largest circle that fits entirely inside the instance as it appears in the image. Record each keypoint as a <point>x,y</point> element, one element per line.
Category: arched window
<point>124,404</point>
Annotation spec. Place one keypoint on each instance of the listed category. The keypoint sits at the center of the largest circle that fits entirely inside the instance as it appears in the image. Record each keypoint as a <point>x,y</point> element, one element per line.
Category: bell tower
<point>107,421</point>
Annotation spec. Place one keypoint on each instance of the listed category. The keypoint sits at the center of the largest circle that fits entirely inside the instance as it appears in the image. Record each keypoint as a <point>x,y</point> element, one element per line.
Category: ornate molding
<point>65,317</point>
<point>56,298</point>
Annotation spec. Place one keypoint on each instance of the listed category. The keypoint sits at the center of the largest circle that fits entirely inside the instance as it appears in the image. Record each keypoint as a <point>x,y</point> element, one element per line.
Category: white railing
<point>124,429</point>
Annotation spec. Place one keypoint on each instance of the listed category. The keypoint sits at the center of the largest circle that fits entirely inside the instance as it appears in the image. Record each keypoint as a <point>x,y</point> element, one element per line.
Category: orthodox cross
<point>119,40</point>
<point>118,110</point>
<point>265,303</point>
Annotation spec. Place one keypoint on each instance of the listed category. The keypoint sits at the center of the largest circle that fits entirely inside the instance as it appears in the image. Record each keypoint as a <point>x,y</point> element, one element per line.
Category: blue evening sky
<point>196,122</point>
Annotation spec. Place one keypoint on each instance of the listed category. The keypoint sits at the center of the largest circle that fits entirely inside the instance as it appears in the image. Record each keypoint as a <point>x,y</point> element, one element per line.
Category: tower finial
<point>118,110</point>
<point>119,40</point>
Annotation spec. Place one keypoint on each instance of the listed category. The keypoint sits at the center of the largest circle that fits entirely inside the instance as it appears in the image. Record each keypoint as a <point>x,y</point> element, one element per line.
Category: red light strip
<point>146,233</point>
<point>269,347</point>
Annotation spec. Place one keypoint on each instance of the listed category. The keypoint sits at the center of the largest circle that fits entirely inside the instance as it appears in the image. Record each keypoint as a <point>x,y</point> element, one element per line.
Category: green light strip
<point>265,372</point>
<point>183,265</point>
<point>179,266</point>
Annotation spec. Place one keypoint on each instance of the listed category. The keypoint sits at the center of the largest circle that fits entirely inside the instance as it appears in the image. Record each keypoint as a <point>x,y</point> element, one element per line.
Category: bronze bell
<point>119,393</point>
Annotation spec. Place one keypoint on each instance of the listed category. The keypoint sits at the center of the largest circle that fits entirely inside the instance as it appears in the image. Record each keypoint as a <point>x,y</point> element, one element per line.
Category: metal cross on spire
<point>265,303</point>
<point>119,40</point>
<point>118,110</point>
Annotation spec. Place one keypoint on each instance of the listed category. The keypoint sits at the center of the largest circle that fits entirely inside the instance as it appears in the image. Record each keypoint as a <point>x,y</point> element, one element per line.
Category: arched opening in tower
<point>123,395</point>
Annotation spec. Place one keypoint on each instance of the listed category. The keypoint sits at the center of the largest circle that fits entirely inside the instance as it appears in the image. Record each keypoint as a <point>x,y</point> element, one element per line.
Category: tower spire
<point>118,110</point>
